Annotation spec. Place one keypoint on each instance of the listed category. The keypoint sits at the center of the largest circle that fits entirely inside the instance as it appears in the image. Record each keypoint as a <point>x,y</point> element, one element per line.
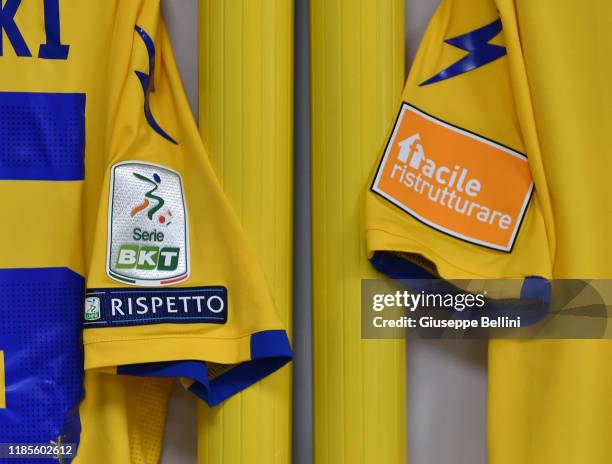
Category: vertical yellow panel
<point>2,380</point>
<point>246,121</point>
<point>357,78</point>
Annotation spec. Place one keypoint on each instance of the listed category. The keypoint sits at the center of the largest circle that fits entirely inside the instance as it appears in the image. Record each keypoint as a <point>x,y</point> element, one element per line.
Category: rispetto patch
<point>148,233</point>
<point>455,181</point>
<point>122,307</point>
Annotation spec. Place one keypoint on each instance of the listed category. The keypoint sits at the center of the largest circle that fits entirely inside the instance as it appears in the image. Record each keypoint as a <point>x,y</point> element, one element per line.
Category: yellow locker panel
<point>246,121</point>
<point>357,78</point>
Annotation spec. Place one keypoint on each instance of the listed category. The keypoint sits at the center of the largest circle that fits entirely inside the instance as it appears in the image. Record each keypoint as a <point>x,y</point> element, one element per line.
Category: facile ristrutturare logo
<point>457,182</point>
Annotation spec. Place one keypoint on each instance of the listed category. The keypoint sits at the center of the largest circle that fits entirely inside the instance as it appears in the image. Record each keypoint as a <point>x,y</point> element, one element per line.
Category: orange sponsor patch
<point>454,181</point>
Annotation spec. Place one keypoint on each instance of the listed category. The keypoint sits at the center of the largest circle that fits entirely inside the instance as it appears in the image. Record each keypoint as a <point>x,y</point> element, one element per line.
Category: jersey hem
<point>532,302</point>
<point>445,269</point>
<point>267,352</point>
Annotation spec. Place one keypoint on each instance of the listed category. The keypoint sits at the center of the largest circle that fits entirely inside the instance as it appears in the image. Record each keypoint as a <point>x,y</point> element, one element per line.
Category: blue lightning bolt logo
<point>481,52</point>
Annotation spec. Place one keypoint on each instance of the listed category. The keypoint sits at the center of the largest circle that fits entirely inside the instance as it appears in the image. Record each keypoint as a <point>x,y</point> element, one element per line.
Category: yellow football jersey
<point>116,224</point>
<point>497,167</point>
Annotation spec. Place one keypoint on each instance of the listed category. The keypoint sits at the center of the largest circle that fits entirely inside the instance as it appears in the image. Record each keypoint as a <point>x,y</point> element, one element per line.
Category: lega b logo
<point>148,231</point>
<point>92,308</point>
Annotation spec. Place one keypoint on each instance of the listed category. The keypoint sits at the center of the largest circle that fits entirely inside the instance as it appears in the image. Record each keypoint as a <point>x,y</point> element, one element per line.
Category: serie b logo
<point>148,229</point>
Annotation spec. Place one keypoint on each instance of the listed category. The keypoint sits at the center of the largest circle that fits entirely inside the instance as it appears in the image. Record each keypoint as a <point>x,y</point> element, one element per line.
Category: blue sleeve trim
<point>270,350</point>
<point>532,306</point>
<point>398,268</point>
<point>270,344</point>
<point>538,289</point>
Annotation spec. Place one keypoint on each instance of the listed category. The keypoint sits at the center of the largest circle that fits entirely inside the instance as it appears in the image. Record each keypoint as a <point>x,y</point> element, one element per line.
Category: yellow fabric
<point>548,97</point>
<point>122,417</point>
<point>359,386</point>
<point>246,113</point>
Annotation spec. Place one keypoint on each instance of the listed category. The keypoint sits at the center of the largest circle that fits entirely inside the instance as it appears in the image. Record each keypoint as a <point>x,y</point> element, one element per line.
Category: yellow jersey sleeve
<point>172,287</point>
<point>453,195</point>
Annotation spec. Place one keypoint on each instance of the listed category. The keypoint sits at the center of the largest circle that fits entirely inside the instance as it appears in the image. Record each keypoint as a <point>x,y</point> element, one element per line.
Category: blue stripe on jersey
<point>40,330</point>
<point>42,136</point>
